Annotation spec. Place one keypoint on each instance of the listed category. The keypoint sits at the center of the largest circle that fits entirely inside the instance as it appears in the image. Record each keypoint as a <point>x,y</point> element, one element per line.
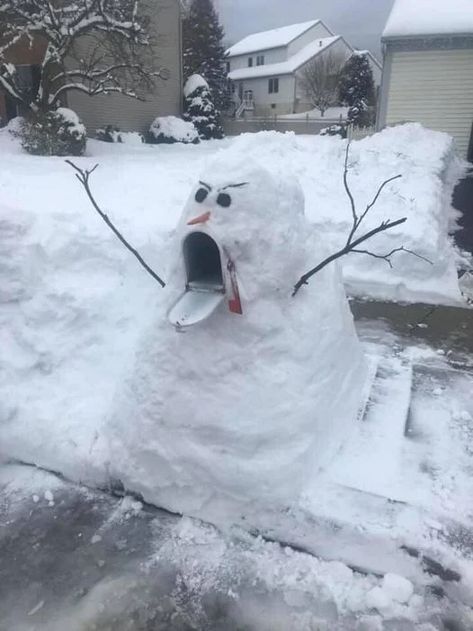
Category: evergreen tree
<point>203,50</point>
<point>356,90</point>
<point>200,109</point>
<point>356,81</point>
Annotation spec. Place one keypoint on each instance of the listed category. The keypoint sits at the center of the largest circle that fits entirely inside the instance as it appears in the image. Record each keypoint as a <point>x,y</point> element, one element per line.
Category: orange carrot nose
<point>200,219</point>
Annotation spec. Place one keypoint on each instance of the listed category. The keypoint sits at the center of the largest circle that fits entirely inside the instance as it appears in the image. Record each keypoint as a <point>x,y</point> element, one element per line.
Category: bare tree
<point>354,241</point>
<point>319,80</point>
<point>90,46</point>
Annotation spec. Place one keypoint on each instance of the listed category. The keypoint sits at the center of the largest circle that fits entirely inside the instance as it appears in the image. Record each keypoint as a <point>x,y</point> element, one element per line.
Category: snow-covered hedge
<point>55,133</point>
<point>170,129</point>
<point>111,133</point>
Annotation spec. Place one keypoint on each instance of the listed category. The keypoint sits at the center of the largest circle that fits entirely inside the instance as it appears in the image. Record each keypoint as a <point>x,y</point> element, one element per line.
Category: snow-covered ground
<point>74,306</point>
<point>330,115</point>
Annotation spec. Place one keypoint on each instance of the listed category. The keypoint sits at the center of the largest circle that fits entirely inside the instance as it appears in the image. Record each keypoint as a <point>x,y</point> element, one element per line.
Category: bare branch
<point>352,244</point>
<point>345,250</point>
<point>83,176</point>
<point>319,79</point>
<point>349,193</point>
<point>123,57</point>
<point>387,257</point>
<point>375,199</point>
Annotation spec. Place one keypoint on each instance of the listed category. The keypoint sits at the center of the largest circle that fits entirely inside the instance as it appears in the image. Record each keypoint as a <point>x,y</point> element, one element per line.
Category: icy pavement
<point>76,559</point>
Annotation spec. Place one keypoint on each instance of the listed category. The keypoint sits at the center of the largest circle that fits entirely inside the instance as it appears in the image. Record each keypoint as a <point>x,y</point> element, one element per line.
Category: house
<point>101,110</point>
<point>266,67</point>
<point>428,68</point>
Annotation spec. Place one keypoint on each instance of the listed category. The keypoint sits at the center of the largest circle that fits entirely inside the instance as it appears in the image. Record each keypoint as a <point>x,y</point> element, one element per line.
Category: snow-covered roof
<point>412,18</point>
<point>285,67</point>
<point>270,39</point>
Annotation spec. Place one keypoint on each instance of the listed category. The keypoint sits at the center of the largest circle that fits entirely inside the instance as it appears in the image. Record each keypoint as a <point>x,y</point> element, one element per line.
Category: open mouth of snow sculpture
<point>205,286</point>
<point>203,263</point>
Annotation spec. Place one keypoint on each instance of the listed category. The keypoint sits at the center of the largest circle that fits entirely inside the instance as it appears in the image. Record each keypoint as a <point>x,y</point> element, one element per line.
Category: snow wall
<point>74,304</point>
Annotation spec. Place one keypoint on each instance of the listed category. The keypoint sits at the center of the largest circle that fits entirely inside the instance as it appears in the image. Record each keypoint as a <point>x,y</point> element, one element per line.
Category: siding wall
<point>433,87</point>
<point>272,56</point>
<point>318,31</point>
<point>282,100</point>
<point>130,114</point>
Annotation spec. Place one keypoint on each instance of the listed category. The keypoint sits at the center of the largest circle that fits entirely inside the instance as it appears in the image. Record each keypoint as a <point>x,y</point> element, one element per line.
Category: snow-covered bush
<point>200,109</point>
<point>54,133</point>
<point>112,133</point>
<point>170,129</point>
<point>334,130</point>
<point>109,133</point>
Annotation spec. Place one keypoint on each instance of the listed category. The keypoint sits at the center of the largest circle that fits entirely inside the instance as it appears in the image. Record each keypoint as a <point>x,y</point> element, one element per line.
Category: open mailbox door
<point>205,286</point>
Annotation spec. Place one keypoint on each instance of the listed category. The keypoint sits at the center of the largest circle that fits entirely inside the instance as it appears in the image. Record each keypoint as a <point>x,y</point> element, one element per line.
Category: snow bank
<point>429,169</point>
<point>429,17</point>
<point>240,409</point>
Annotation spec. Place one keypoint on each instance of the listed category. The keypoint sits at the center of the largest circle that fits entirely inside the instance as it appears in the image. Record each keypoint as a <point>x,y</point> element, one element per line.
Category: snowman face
<point>218,199</point>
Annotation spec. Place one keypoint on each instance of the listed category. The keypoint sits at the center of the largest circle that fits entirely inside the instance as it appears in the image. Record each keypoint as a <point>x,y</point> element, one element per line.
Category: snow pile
<point>74,303</point>
<point>429,17</point>
<point>241,408</point>
<point>131,138</point>
<point>172,129</point>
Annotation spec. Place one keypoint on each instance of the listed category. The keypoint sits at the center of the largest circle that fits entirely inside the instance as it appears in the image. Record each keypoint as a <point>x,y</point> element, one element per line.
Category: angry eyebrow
<point>234,186</point>
<point>206,185</point>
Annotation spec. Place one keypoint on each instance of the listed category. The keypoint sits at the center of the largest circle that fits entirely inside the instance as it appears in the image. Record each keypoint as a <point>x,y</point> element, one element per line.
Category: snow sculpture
<point>249,391</point>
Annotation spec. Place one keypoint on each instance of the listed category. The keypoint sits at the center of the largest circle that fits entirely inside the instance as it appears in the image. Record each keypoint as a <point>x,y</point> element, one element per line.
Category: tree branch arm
<point>83,177</point>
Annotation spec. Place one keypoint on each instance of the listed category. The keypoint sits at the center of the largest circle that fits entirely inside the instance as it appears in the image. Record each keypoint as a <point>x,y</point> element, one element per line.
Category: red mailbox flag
<point>234,303</point>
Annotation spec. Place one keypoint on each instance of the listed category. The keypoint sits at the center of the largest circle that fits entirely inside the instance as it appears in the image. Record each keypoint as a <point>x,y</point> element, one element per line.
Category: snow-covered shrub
<point>200,109</point>
<point>54,133</point>
<point>170,129</point>
<point>334,130</point>
<point>109,133</point>
<point>15,124</point>
<point>112,133</point>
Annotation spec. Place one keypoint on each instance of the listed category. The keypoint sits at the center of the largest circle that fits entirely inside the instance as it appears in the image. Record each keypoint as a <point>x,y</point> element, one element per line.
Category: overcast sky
<point>359,21</point>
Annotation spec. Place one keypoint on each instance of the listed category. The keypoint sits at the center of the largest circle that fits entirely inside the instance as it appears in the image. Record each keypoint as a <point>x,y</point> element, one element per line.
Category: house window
<point>228,66</point>
<point>273,87</point>
<point>260,60</point>
<point>250,62</point>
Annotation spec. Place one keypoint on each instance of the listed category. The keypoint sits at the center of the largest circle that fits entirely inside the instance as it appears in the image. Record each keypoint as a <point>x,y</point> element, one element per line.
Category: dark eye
<point>224,200</point>
<point>201,195</point>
